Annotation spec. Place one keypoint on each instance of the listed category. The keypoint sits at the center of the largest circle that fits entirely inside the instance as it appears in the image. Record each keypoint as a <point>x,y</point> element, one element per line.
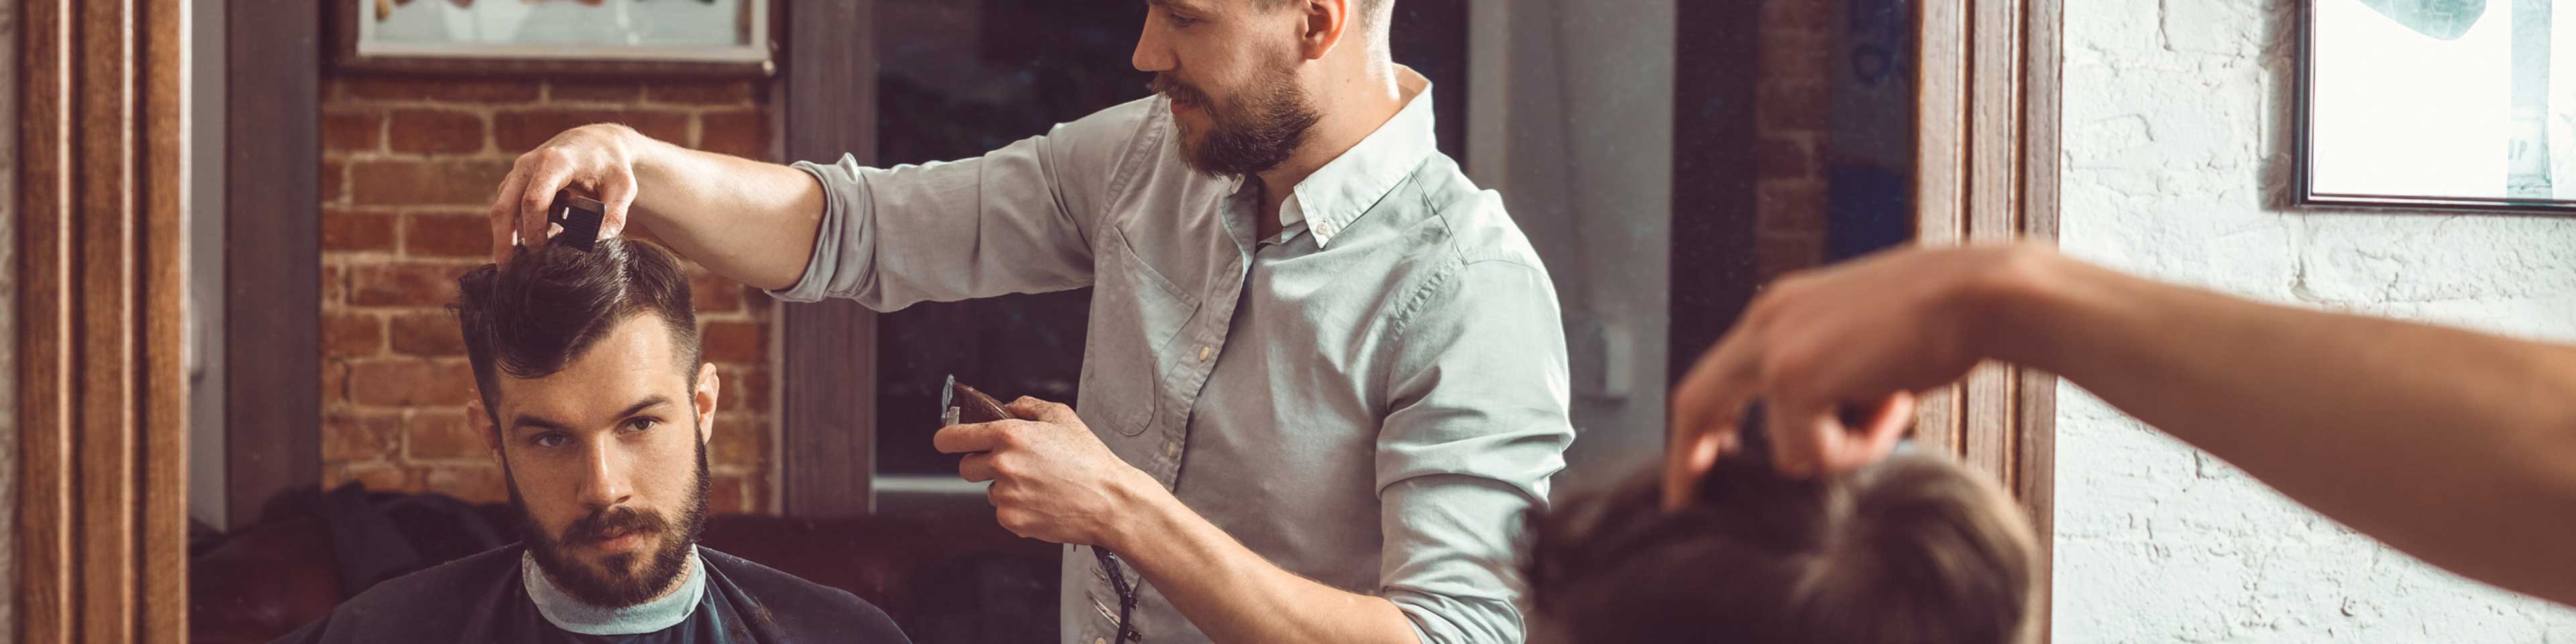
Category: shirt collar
<point>572,615</point>
<point>1338,193</point>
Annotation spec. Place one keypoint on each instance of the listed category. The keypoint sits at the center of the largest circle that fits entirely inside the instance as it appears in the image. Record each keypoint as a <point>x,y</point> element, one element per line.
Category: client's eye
<point>549,439</point>
<point>642,424</point>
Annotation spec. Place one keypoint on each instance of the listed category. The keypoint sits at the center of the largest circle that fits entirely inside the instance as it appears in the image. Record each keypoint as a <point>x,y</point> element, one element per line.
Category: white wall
<point>1570,118</point>
<point>2177,131</point>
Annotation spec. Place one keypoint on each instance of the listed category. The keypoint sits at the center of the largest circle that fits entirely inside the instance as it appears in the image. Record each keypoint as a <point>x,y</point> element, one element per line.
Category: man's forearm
<point>749,221</point>
<point>2453,446</point>
<point>1233,595</point>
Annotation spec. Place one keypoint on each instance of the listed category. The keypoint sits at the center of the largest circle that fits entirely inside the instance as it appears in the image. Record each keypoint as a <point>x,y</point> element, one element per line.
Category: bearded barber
<point>1325,373</point>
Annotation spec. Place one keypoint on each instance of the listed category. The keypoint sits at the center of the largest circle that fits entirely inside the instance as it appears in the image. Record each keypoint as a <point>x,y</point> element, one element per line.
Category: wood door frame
<point>827,371</point>
<point>101,521</point>
<point>1987,161</point>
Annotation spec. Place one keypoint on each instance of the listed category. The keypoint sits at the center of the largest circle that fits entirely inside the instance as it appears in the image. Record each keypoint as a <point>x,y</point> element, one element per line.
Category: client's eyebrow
<point>525,420</point>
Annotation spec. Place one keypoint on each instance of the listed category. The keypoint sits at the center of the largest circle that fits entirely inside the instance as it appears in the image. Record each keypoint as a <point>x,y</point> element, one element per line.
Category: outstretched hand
<point>1052,478</point>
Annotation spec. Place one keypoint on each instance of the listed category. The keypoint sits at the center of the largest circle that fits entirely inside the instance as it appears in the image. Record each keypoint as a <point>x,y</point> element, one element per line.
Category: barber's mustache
<point>1178,91</point>
<point>613,521</point>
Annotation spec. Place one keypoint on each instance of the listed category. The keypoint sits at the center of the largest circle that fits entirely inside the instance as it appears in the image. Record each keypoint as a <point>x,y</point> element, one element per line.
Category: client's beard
<point>613,588</point>
<point>1266,124</point>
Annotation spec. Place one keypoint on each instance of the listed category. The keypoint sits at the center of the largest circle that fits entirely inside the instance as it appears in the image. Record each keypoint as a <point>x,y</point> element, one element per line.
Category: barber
<point>1324,374</point>
<point>2455,447</point>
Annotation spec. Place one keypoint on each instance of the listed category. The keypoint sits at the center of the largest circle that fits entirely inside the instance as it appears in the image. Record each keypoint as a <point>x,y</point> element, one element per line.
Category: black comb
<point>579,216</point>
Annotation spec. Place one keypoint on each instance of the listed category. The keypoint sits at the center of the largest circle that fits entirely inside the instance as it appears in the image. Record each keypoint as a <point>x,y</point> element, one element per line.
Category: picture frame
<point>2435,105</point>
<point>612,38</point>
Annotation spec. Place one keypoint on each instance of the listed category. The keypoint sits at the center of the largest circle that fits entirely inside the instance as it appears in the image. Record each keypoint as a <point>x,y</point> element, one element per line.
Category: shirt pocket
<point>1135,314</point>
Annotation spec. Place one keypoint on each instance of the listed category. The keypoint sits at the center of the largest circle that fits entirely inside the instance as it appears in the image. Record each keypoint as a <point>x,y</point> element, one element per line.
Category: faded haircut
<point>1914,549</point>
<point>546,308</point>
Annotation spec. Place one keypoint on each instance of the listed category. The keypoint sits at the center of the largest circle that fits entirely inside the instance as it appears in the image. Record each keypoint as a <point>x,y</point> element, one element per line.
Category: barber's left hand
<point>1052,479</point>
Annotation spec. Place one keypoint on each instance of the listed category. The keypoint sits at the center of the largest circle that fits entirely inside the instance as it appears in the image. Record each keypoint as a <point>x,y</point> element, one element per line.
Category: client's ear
<point>479,421</point>
<point>705,399</point>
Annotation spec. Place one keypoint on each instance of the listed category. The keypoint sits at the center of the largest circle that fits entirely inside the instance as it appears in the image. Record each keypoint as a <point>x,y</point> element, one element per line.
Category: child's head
<point>1912,549</point>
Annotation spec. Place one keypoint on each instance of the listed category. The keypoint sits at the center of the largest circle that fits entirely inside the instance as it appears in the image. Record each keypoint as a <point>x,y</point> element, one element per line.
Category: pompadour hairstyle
<point>546,308</point>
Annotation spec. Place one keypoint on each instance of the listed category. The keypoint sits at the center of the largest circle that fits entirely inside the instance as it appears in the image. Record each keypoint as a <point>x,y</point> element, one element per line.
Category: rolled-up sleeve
<point>1477,424</point>
<point>1016,220</point>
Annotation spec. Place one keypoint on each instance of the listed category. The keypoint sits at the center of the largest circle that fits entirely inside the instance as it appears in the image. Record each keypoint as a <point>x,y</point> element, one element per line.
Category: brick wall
<point>409,167</point>
<point>1790,105</point>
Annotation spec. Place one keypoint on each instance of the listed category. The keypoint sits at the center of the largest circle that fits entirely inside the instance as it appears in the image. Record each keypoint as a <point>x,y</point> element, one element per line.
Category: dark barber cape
<point>481,599</point>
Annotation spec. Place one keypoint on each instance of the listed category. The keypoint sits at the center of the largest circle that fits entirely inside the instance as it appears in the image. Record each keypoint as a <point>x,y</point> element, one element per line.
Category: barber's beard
<point>1254,133</point>
<point>615,587</point>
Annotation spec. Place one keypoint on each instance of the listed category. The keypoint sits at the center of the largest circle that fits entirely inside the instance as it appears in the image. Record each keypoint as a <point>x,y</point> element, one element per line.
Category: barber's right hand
<point>1865,335</point>
<point>597,158</point>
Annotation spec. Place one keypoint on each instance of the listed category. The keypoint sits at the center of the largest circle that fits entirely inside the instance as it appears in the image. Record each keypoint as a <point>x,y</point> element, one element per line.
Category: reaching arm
<point>2455,447</point>
<point>749,221</point>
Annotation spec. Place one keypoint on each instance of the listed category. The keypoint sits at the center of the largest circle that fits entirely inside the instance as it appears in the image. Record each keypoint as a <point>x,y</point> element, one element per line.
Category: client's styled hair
<point>532,317</point>
<point>1912,549</point>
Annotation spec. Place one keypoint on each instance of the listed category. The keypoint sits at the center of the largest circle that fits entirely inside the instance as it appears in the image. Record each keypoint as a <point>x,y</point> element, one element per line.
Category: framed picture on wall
<point>611,37</point>
<point>2438,104</point>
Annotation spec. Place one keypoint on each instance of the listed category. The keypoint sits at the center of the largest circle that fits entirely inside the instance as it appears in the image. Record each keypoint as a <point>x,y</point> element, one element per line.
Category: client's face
<point>607,466</point>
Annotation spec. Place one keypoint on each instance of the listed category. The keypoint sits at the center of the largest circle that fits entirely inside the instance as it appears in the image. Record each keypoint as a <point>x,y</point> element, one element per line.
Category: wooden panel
<point>45,393</point>
<point>827,431</point>
<point>162,55</point>
<point>1993,210</point>
<point>2036,469</point>
<point>1940,179</point>
<point>101,417</point>
<point>272,272</point>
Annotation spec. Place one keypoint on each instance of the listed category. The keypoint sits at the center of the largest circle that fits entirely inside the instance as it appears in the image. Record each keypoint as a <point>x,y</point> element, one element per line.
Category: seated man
<point>588,365</point>
<point>1912,549</point>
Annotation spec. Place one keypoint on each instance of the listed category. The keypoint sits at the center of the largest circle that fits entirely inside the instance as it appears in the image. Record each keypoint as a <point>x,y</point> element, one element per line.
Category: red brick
<point>594,91</point>
<point>472,484</point>
<point>351,437</point>
<point>1781,157</point>
<point>729,494</point>
<point>744,134</point>
<point>436,131</point>
<point>335,381</point>
<point>357,230</point>
<point>346,335</point>
<point>446,433</point>
<point>408,382</point>
<point>352,131</point>
<point>332,181</point>
<point>463,235</point>
<point>440,89</point>
<point>739,439</point>
<point>735,342</point>
<point>521,130</point>
<point>733,92</point>
<point>1790,205</point>
<point>1799,105</point>
<point>427,182</point>
<point>403,284</point>
<point>711,294</point>
<point>746,390</point>
<point>426,334</point>
<point>335,284</point>
<point>375,477</point>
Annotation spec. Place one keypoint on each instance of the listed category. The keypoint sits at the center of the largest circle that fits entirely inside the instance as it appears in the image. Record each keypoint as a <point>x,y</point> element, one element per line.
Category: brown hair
<point>1915,549</point>
<point>546,308</point>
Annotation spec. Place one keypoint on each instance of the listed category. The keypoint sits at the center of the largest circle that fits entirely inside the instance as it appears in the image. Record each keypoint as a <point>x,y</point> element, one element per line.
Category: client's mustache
<point>1177,91</point>
<point>613,521</point>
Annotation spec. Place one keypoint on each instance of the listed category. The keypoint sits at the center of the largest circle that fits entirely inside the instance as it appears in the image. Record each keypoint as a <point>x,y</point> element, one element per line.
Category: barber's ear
<point>705,399</point>
<point>479,421</point>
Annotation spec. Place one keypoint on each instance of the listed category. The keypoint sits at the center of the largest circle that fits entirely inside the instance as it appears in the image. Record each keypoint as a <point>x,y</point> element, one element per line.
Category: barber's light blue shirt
<point>1369,399</point>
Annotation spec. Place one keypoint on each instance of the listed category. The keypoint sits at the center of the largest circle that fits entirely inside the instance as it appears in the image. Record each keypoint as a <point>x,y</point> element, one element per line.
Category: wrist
<point>1143,507</point>
<point>2007,302</point>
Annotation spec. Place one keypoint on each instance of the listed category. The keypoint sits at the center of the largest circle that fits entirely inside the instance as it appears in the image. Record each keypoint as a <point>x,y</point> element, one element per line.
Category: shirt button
<point>1205,351</point>
<point>1172,448</point>
<point>1099,640</point>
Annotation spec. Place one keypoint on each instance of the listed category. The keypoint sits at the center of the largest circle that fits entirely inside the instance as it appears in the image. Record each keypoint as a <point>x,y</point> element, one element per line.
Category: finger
<point>1800,432</point>
<point>505,220</point>
<point>959,439</point>
<point>1040,410</point>
<point>536,198</point>
<point>976,468</point>
<point>1704,408</point>
<point>616,195</point>
<point>1869,438</point>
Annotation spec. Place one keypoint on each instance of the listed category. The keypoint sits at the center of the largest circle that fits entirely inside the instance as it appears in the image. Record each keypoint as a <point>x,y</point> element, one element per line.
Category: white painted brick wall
<point>2178,131</point>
